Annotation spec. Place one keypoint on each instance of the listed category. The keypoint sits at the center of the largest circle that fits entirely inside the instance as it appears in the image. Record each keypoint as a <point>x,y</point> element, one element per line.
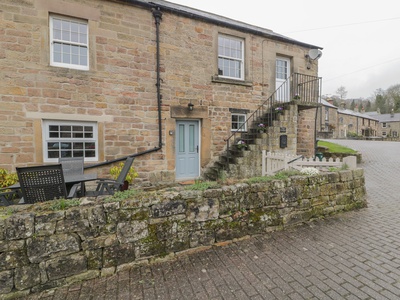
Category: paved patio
<point>354,255</point>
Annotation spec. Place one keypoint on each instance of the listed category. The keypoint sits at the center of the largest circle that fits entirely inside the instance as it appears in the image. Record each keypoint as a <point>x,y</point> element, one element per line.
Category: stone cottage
<point>340,122</point>
<point>389,125</point>
<point>167,83</point>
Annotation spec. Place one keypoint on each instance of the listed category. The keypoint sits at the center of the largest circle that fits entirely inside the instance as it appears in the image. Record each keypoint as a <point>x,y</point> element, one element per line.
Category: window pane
<point>78,146</point>
<point>181,133</point>
<point>65,153</point>
<point>83,38</point>
<point>74,27</point>
<point>56,23</point>
<point>66,36</point>
<point>57,34</point>
<point>191,138</point>
<point>90,153</point>
<point>74,37</point>
<point>78,153</point>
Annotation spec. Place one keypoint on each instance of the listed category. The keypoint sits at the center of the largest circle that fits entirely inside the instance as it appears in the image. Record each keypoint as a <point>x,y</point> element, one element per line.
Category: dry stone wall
<point>41,249</point>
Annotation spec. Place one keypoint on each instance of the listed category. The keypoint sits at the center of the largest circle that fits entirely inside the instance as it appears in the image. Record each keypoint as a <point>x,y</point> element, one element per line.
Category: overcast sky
<point>360,39</point>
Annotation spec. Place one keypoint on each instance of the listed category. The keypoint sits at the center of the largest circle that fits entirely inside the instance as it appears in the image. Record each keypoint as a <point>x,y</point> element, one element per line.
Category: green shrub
<point>132,174</point>
<point>7,179</point>
<point>63,204</point>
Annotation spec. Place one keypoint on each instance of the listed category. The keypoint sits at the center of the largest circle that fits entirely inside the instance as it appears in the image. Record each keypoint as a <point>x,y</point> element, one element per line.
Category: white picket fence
<point>275,162</point>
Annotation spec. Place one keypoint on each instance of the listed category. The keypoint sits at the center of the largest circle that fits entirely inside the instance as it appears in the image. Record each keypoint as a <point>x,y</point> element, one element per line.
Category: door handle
<point>197,148</point>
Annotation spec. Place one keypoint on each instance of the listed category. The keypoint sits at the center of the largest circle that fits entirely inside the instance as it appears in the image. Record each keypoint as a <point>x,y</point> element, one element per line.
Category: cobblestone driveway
<point>355,255</point>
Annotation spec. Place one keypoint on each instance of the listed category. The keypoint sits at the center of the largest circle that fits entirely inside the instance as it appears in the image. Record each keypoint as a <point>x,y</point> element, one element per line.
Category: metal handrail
<point>299,87</point>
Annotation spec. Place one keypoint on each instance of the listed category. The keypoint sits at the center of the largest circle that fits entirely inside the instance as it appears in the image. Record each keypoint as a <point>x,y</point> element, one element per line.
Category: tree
<point>368,106</point>
<point>353,105</point>
<point>380,103</point>
<point>342,92</point>
<point>393,97</point>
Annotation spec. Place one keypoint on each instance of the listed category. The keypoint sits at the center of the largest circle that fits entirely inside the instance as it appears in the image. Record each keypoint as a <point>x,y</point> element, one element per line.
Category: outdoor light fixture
<point>191,106</point>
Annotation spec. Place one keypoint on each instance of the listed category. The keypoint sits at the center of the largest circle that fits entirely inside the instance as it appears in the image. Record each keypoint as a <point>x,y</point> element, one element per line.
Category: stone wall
<point>306,132</point>
<point>41,249</point>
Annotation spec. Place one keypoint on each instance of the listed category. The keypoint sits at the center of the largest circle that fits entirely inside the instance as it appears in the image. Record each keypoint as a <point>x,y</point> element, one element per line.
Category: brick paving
<point>354,255</point>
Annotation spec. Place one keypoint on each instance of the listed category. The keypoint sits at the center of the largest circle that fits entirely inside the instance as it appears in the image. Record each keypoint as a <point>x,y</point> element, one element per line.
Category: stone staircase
<point>245,161</point>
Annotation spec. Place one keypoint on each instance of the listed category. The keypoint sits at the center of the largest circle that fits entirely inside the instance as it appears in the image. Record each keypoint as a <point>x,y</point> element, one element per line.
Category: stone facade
<point>334,122</point>
<point>118,92</point>
<point>42,248</point>
<point>389,126</point>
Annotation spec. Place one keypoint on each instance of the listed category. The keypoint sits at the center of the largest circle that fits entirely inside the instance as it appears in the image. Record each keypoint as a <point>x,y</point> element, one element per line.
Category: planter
<point>125,186</point>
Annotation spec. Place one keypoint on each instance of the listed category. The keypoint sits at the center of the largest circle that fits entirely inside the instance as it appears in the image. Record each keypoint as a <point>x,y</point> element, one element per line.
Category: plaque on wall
<point>283,129</point>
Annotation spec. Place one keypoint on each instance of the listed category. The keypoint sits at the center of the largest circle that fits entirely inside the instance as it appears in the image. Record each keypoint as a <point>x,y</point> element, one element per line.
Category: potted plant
<point>241,145</point>
<point>296,97</point>
<point>279,110</point>
<point>132,174</point>
<point>261,127</point>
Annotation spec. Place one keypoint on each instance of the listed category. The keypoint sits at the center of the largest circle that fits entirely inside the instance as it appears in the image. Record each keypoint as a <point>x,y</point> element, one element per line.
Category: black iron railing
<point>298,87</point>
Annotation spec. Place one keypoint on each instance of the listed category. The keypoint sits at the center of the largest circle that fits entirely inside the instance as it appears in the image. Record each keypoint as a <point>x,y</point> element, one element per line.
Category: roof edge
<point>214,19</point>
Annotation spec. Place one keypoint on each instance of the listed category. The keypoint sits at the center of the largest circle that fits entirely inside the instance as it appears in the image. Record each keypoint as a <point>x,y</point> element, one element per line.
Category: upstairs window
<point>69,45</point>
<point>383,125</point>
<point>230,57</point>
<point>69,139</point>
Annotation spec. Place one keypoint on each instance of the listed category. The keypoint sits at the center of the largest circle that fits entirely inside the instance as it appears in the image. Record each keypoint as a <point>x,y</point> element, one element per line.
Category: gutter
<point>157,14</point>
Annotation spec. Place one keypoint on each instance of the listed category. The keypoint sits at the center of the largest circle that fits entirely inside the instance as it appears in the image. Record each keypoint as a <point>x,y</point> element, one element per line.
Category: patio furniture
<point>8,195</point>
<point>42,183</point>
<point>110,186</point>
<point>73,166</point>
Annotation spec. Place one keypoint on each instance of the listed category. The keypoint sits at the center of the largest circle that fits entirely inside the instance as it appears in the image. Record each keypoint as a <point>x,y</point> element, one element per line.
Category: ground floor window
<point>69,139</point>
<point>239,122</point>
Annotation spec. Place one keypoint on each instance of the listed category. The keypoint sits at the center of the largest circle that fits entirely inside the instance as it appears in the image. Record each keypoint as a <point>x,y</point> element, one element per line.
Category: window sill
<point>218,79</point>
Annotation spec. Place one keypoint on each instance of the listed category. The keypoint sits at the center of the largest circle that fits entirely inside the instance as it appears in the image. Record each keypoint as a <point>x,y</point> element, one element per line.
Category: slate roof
<point>387,118</point>
<point>216,19</point>
<point>349,111</point>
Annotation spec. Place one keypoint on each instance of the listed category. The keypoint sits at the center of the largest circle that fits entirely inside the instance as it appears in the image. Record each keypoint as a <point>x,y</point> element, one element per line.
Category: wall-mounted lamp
<point>190,106</point>
<point>313,54</point>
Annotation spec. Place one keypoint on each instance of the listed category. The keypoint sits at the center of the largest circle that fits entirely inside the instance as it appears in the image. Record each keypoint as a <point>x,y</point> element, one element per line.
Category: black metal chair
<point>42,183</point>
<point>73,166</point>
<point>110,186</point>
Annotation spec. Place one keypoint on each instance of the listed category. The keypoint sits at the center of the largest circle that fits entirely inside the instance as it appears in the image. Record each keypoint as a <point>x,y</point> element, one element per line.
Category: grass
<point>123,195</point>
<point>63,204</point>
<point>336,148</point>
<point>203,185</point>
<point>278,176</point>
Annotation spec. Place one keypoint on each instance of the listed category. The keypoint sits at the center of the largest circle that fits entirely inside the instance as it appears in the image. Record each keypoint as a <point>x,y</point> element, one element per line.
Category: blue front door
<point>187,149</point>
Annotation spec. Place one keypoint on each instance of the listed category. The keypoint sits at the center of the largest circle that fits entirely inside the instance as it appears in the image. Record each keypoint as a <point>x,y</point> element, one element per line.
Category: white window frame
<point>384,133</point>
<point>384,125</point>
<point>394,134</point>
<point>68,43</point>
<point>231,56</point>
<point>68,140</point>
<point>239,122</point>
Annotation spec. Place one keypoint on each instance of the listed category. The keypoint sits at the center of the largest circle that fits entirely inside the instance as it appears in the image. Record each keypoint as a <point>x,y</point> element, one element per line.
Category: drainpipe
<point>157,17</point>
